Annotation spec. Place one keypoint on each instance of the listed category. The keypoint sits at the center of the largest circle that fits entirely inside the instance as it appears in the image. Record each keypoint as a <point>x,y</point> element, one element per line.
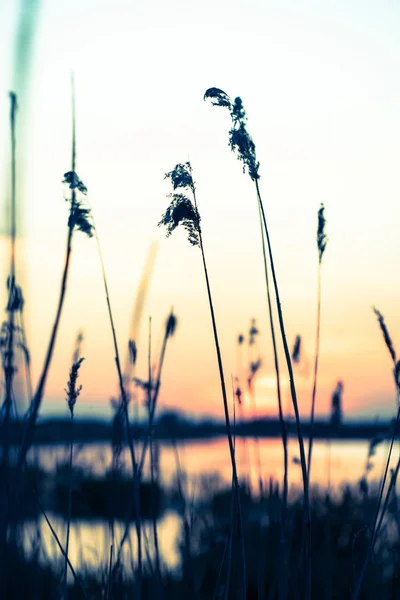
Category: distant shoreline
<point>173,427</point>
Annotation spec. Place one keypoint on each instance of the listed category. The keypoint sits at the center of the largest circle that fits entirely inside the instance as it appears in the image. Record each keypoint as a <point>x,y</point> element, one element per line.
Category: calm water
<point>204,463</point>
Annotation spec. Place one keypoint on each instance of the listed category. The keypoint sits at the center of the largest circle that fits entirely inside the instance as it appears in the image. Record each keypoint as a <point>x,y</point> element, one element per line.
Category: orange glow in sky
<point>321,89</point>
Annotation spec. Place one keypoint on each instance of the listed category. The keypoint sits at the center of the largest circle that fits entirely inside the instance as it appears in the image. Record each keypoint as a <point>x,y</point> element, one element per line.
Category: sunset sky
<point>321,87</point>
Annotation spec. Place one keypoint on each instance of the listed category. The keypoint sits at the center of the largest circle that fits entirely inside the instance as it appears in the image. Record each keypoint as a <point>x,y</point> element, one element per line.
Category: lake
<point>204,463</point>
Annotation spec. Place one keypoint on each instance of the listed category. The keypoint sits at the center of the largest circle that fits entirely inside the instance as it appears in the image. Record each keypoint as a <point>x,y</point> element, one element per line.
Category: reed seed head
<point>218,97</point>
<point>296,353</point>
<point>322,238</point>
<point>385,333</point>
<point>181,211</point>
<point>72,390</point>
<point>181,176</point>
<point>240,339</point>
<point>15,298</point>
<point>240,140</point>
<point>80,215</point>
<point>132,351</point>
<point>170,326</point>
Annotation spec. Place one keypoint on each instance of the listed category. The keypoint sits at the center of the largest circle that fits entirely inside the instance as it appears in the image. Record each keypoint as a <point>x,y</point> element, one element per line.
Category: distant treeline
<point>173,426</point>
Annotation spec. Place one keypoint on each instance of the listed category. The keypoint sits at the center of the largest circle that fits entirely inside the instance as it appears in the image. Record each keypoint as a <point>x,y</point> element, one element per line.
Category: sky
<point>320,85</point>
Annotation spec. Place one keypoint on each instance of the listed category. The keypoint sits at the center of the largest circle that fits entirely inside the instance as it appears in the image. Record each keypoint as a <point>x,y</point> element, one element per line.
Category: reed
<point>79,219</point>
<point>321,246</point>
<point>72,390</point>
<point>241,142</point>
<point>182,211</point>
<point>379,514</point>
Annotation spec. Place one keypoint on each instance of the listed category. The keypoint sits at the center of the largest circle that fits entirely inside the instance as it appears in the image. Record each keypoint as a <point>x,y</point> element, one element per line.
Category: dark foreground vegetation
<point>210,555</point>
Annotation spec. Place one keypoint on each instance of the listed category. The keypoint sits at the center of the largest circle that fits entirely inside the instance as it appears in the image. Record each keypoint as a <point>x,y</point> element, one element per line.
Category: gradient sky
<point>321,88</point>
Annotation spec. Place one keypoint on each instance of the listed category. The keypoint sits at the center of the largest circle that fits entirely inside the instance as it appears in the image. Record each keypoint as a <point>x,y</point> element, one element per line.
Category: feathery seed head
<point>132,351</point>
<point>240,140</point>
<point>171,324</point>
<point>296,354</point>
<point>78,344</point>
<point>241,143</point>
<point>238,392</point>
<point>218,97</point>
<point>385,333</point>
<point>181,176</point>
<point>15,298</point>
<point>322,238</point>
<point>181,211</point>
<point>79,216</point>
<point>72,390</point>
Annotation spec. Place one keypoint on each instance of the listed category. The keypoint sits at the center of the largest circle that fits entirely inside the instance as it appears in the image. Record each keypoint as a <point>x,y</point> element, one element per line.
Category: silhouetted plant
<point>241,142</point>
<point>380,510</point>
<point>183,211</point>
<point>321,246</point>
<point>79,218</point>
<point>72,390</point>
<point>296,352</point>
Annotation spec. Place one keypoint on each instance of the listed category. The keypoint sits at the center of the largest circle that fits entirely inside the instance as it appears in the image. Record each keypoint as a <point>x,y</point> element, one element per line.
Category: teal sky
<point>321,88</point>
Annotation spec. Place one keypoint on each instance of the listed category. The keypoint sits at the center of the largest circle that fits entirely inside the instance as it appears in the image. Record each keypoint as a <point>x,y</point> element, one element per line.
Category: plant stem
<point>225,402</point>
<point>282,422</point>
<point>294,401</point>
<point>71,446</point>
<point>314,390</point>
<point>376,523</point>
<point>37,399</point>
<point>136,476</point>
<point>153,403</point>
<point>9,354</point>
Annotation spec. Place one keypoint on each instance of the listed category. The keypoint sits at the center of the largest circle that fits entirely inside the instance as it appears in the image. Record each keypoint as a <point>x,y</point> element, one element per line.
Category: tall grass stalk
<point>124,400</point>
<point>321,244</point>
<point>152,478</point>
<point>78,219</point>
<point>9,368</point>
<point>378,515</point>
<point>241,142</point>
<point>73,392</point>
<point>58,543</point>
<point>154,389</point>
<point>282,422</point>
<point>183,211</point>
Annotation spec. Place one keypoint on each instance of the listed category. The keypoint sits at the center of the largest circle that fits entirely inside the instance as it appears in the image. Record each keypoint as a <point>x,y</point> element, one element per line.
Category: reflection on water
<point>336,463</point>
<point>90,541</point>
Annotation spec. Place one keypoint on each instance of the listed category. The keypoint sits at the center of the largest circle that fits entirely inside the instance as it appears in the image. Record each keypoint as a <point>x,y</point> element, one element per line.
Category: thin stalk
<point>230,547</point>
<point>109,583</point>
<point>136,477</point>
<point>154,519</point>
<point>28,375</point>
<point>377,523</point>
<point>37,399</point>
<point>153,402</point>
<point>9,354</point>
<point>71,447</point>
<point>294,401</point>
<point>57,540</point>
<point>225,403</point>
<point>282,422</point>
<point>314,390</point>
